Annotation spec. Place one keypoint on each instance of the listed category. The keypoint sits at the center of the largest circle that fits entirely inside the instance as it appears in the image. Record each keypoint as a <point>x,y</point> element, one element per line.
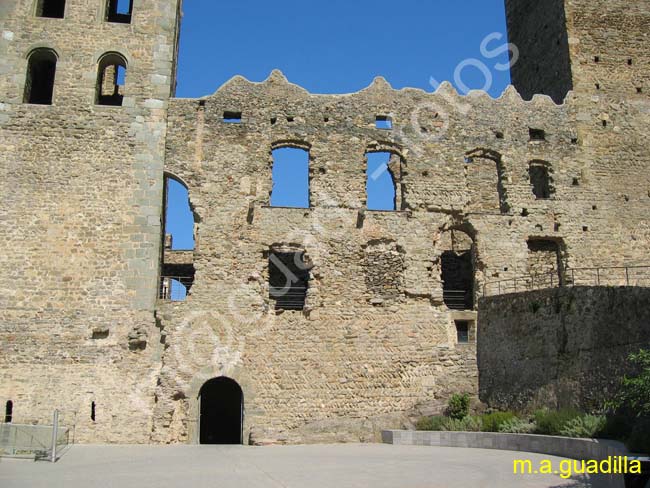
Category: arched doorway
<point>221,408</point>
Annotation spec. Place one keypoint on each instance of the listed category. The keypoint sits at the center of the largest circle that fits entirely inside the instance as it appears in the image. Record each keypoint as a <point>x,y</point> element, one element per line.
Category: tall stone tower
<point>84,88</point>
<point>599,51</point>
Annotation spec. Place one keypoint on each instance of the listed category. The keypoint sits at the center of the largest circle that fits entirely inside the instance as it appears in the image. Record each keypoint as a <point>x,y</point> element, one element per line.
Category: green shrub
<point>429,423</point>
<point>551,422</point>
<point>492,421</point>
<point>466,424</point>
<point>458,406</point>
<point>517,426</point>
<point>633,398</point>
<point>584,426</point>
<point>639,439</point>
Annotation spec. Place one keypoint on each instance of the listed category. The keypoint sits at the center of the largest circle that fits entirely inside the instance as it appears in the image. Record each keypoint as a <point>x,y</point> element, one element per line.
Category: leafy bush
<point>517,426</point>
<point>458,406</point>
<point>551,422</point>
<point>466,424</point>
<point>639,439</point>
<point>584,426</point>
<point>429,423</point>
<point>492,421</point>
<point>634,396</point>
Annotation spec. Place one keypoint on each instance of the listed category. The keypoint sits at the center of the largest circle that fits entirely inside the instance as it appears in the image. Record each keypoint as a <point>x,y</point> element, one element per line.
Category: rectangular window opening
<point>232,117</point>
<point>537,134</point>
<point>458,279</point>
<point>383,122</point>
<point>290,177</point>
<point>540,180</point>
<point>462,331</point>
<point>53,9</point>
<point>288,280</point>
<point>119,11</point>
<point>382,190</point>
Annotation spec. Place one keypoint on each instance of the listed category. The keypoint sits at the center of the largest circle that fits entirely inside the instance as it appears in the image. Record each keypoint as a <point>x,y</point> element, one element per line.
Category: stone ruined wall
<point>82,203</point>
<point>352,358</point>
<point>81,187</point>
<point>564,347</point>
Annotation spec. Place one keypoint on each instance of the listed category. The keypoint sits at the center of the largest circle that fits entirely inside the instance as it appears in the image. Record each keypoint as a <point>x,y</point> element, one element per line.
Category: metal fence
<point>174,288</point>
<point>33,441</point>
<point>600,276</point>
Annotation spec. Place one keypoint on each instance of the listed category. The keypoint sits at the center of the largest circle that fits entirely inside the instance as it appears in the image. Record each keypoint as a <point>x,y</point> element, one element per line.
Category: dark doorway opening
<point>221,412</point>
<point>458,280</point>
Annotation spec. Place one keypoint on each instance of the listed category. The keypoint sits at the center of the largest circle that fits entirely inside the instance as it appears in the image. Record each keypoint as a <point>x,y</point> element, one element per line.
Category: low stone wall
<point>581,449</point>
<point>563,347</point>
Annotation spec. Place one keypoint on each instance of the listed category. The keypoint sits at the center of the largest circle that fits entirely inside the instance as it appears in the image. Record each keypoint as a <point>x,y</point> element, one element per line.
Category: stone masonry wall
<point>565,347</point>
<point>351,357</point>
<point>82,201</point>
<point>80,198</point>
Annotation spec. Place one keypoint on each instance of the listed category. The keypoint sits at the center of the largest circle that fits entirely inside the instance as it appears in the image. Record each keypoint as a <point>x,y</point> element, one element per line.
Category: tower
<point>83,99</point>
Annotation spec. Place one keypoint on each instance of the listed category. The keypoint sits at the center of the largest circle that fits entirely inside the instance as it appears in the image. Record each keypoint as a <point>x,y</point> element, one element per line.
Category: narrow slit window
<point>119,11</point>
<point>540,179</point>
<point>111,80</point>
<point>54,9</point>
<point>462,331</point>
<point>41,71</point>
<point>232,117</point>
<point>288,280</point>
<point>9,411</point>
<point>92,411</point>
<point>381,182</point>
<point>383,122</point>
<point>290,178</point>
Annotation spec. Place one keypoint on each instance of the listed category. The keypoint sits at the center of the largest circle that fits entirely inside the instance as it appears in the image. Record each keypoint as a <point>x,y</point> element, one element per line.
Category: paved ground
<point>331,466</point>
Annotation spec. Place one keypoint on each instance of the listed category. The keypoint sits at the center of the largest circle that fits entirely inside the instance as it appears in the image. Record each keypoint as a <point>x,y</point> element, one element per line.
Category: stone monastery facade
<point>377,321</point>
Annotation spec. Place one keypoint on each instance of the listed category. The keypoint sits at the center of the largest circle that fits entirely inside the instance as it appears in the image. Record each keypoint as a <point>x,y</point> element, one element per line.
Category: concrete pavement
<point>338,466</point>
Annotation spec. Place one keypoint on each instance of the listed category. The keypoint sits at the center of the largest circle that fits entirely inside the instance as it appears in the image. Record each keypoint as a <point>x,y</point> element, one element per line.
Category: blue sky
<point>334,46</point>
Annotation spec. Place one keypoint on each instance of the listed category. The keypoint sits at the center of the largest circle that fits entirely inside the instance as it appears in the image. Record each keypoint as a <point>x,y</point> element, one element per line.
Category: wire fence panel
<point>20,440</point>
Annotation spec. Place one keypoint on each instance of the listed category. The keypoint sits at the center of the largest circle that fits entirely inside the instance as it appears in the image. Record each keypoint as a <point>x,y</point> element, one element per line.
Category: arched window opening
<point>54,9</point>
<point>111,79</point>
<point>41,71</point>
<point>9,411</point>
<point>221,412</point>
<point>119,11</point>
<point>457,270</point>
<point>179,218</point>
<point>383,181</point>
<point>179,229</point>
<point>290,177</point>
<point>483,178</point>
<point>540,179</point>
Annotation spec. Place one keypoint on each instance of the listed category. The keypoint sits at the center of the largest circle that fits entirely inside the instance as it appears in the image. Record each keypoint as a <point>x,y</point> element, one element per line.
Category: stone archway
<point>221,412</point>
